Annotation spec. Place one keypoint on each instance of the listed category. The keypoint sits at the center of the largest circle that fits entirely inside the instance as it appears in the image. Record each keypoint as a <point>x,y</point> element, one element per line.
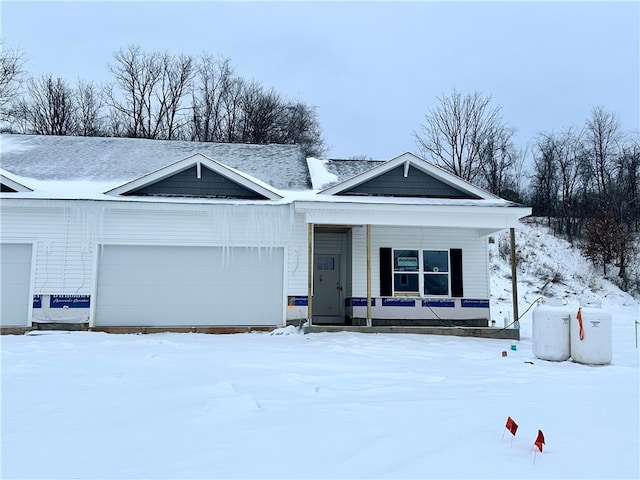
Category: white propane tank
<point>591,335</point>
<point>550,330</point>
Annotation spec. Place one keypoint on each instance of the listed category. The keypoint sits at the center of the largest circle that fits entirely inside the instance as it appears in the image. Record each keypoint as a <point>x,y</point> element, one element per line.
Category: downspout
<point>514,279</point>
<point>369,322</point>
<point>310,276</point>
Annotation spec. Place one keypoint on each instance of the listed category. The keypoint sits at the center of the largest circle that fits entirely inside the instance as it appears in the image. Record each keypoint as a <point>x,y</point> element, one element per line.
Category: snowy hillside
<point>331,405</point>
<point>547,267</point>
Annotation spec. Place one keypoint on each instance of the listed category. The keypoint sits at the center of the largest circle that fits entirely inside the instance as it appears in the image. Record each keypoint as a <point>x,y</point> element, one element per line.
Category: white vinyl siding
<point>474,264</point>
<point>297,278</point>
<point>222,225</point>
<point>62,233</point>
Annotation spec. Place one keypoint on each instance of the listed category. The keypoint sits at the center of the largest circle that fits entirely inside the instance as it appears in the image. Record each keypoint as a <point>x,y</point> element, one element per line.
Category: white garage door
<point>15,280</point>
<point>189,286</point>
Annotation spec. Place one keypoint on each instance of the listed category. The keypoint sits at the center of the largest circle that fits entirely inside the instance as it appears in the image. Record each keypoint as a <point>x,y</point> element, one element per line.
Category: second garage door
<point>189,286</point>
<point>15,276</point>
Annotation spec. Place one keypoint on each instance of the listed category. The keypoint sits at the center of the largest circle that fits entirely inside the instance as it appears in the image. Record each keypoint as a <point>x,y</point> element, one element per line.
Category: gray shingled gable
<point>208,184</point>
<point>394,183</point>
<point>107,159</point>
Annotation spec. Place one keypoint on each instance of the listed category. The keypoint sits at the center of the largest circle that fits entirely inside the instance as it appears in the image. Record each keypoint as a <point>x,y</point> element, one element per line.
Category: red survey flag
<point>511,426</point>
<point>539,440</point>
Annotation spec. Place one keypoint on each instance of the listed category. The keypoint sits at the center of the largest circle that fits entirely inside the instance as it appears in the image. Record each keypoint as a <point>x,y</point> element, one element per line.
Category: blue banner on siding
<point>470,303</point>
<point>298,301</point>
<point>443,303</point>
<point>358,302</point>
<point>37,301</point>
<point>70,301</point>
<point>398,302</point>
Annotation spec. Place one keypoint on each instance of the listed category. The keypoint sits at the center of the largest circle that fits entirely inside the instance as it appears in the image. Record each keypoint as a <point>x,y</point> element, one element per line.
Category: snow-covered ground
<point>330,405</point>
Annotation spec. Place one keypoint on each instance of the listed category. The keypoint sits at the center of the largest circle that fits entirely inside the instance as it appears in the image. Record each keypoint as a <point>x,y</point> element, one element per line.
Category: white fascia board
<point>13,184</point>
<point>419,163</point>
<point>479,217</point>
<point>198,159</point>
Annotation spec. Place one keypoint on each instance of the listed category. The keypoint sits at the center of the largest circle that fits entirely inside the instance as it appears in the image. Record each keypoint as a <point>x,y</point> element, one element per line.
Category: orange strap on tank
<point>579,317</point>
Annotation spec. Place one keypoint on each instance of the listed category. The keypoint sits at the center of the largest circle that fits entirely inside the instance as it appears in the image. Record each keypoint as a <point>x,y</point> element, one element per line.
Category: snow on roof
<point>320,176</point>
<point>117,160</point>
<point>346,169</point>
<point>87,167</point>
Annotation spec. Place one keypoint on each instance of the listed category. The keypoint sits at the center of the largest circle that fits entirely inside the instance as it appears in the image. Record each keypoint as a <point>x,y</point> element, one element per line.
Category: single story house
<point>124,234</point>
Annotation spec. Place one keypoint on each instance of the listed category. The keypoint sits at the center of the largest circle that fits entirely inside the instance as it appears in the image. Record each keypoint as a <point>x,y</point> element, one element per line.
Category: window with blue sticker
<point>406,276</point>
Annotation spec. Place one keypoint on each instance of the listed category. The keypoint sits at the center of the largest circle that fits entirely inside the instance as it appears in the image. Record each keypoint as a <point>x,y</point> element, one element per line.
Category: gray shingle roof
<point>345,169</point>
<point>46,157</point>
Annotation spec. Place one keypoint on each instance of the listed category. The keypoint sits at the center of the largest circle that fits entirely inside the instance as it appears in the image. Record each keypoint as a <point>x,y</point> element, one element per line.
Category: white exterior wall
<point>474,254</point>
<point>67,235</point>
<point>66,232</point>
<point>64,252</point>
<point>475,269</point>
<point>298,258</point>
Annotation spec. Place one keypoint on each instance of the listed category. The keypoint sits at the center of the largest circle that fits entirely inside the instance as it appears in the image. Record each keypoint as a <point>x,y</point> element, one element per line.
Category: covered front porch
<point>405,272</point>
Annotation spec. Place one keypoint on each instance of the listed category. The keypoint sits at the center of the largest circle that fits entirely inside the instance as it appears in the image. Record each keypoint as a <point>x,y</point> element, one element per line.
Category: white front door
<point>327,297</point>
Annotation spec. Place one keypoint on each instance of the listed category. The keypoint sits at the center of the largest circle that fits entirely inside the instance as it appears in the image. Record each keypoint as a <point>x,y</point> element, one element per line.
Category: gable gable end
<point>408,176</point>
<point>198,177</point>
<point>201,183</point>
<point>407,181</point>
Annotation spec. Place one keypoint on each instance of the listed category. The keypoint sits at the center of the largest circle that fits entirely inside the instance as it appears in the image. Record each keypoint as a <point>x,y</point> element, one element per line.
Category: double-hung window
<point>421,272</point>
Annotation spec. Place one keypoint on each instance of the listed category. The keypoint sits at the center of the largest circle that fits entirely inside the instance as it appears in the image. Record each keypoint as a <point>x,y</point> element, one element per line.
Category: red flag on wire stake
<point>511,426</point>
<point>539,440</point>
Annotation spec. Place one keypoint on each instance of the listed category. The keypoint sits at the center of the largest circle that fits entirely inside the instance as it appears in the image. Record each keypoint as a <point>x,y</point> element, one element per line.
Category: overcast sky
<point>372,69</point>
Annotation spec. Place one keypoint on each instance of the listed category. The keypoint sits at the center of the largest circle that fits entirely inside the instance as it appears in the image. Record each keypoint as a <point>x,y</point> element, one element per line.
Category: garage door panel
<point>168,286</point>
<point>15,284</point>
<point>195,315</point>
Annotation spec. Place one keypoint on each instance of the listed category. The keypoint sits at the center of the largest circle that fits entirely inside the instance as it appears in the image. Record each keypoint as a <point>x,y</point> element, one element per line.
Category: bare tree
<point>603,135</point>
<point>49,107</point>
<point>607,241</point>
<point>11,63</point>
<point>497,160</point>
<point>232,97</point>
<point>569,152</point>
<point>152,88</point>
<point>212,78</point>
<point>177,73</point>
<point>628,183</point>
<point>89,114</point>
<point>457,129</point>
<point>300,125</point>
<point>261,110</point>
<point>545,177</point>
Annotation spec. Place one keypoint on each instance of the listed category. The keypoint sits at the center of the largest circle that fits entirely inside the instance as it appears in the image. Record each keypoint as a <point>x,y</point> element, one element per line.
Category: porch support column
<point>310,276</point>
<point>514,279</point>
<point>369,322</point>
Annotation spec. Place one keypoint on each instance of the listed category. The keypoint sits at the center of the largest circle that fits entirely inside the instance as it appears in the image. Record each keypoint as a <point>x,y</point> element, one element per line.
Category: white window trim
<point>420,272</point>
